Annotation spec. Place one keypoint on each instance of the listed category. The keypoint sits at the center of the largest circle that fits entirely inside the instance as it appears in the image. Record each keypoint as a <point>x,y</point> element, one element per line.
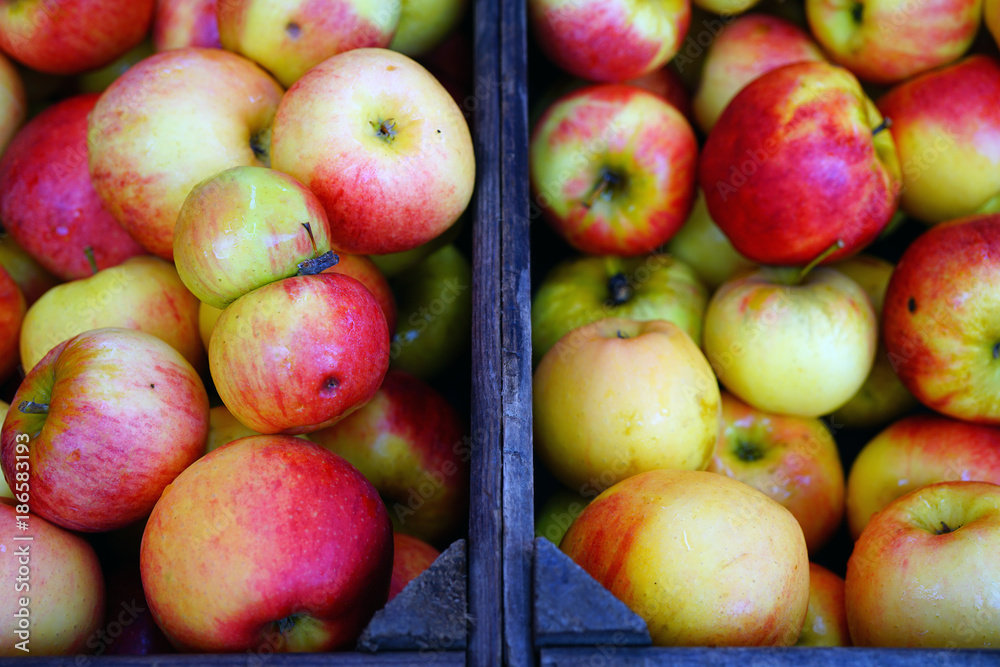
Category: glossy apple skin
<point>13,102</point>
<point>908,586</point>
<point>225,569</point>
<point>894,40</point>
<point>750,46</point>
<point>74,36</point>
<point>621,132</point>
<point>609,40</point>
<point>667,83</point>
<point>47,202</point>
<point>425,24</point>
<point>127,413</point>
<point>178,24</point>
<point>368,274</point>
<point>793,460</point>
<point>12,310</point>
<point>592,428</point>
<point>991,17</point>
<point>702,246</point>
<point>66,593</point>
<point>410,444</point>
<point>683,550</point>
<point>792,166</point>
<point>410,557</point>
<point>948,151</point>
<point>205,106</point>
<point>826,620</point>
<point>579,291</point>
<point>243,228</point>
<point>143,293</point>
<point>914,452</point>
<point>299,354</point>
<point>29,275</point>
<point>382,194</point>
<point>940,322</point>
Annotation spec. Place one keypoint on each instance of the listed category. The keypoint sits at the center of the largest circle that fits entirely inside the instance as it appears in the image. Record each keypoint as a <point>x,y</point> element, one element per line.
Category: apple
<point>98,80</point>
<point>368,274</point>
<point>991,17</point>
<point>683,549</point>
<point>793,460</point>
<point>940,322</point>
<point>882,398</point>
<point>667,83</point>
<point>612,168</point>
<point>790,343</point>
<point>143,293</point>
<point>914,452</point>
<point>725,7</point>
<point>609,40</point>
<point>391,161</point>
<point>29,275</point>
<point>56,596</point>
<point>701,245</point>
<point>409,442</point>
<point>424,24</point>
<point>393,263</point>
<point>130,629</point>
<point>797,163</point>
<point>13,102</point>
<point>887,41</point>
<point>223,428</point>
<point>410,557</point>
<point>924,571</point>
<point>110,417</point>
<point>618,397</point>
<point>12,310</point>
<point>209,110</point>
<point>946,126</point>
<point>558,513</point>
<point>747,48</point>
<point>582,290</point>
<point>299,354</point>
<point>826,619</point>
<point>434,302</point>
<point>207,317</point>
<point>65,39</point>
<point>267,542</point>
<point>178,24</point>
<point>47,202</point>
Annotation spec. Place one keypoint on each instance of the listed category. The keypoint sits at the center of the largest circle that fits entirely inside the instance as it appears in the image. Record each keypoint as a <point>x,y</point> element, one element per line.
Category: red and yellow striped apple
<point>826,619</point>
<point>178,24</point>
<point>410,557</point>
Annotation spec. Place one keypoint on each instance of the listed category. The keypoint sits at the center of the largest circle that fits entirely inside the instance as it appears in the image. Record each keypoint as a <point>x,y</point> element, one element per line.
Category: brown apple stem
<point>837,245</point>
<point>32,408</point>
<point>619,289</point>
<point>884,125</point>
<point>608,181</point>
<point>89,252</point>
<point>311,267</point>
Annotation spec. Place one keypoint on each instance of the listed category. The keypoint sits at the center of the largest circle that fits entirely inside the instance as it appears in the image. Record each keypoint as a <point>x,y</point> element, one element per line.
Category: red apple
<point>368,274</point>
<point>178,24</point>
<point>826,619</point>
<point>12,310</point>
<point>410,557</point>
<point>666,83</point>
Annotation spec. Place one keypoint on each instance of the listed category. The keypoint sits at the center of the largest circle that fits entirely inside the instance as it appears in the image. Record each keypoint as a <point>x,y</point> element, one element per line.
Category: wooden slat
<point>610,654</point>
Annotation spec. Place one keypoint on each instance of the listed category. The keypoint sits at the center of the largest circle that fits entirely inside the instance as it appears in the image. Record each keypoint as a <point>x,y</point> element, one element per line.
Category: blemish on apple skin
<point>911,305</point>
<point>293,30</point>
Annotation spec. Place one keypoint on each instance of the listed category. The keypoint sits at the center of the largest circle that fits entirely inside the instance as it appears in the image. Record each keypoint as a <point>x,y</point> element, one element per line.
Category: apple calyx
<point>608,184</point>
<point>837,245</point>
<point>884,125</point>
<point>747,451</point>
<point>91,260</point>
<point>623,336</point>
<point>385,129</point>
<point>857,12</point>
<point>996,350</point>
<point>619,289</point>
<point>317,265</point>
<point>945,529</point>
<point>260,144</point>
<point>32,408</point>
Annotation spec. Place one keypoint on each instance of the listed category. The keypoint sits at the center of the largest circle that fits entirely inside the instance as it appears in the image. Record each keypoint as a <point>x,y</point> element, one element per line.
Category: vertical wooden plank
<point>518,481</point>
<point>485,575</point>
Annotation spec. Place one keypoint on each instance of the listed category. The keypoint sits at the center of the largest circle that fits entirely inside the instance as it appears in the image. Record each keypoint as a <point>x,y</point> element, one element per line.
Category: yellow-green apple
<point>392,161</point>
<point>949,152</point>
<point>178,24</point>
<point>410,557</point>
<point>558,513</point>
<point>700,244</point>
<point>612,167</point>
<point>434,302</point>
<point>882,398</point>
<point>592,428</point>
<point>243,228</point>
<point>223,428</point>
<point>791,344</point>
<point>233,560</point>
<point>924,572</point>
<point>991,16</point>
<point>793,460</point>
<point>393,263</point>
<point>289,38</point>
<point>56,590</point>
<point>796,163</point>
<point>29,275</point>
<point>683,549</point>
<point>209,110</point>
<point>47,202</point>
<point>98,80</point>
<point>296,355</point>
<point>207,317</point>
<point>143,293</point>
<point>408,441</point>
<point>940,318</point>
<point>364,270</point>
<point>110,418</point>
<point>13,101</point>
<point>914,452</point>
<point>66,39</point>
<point>609,40</point>
<point>12,310</point>
<point>424,24</point>
<point>887,41</point>
<point>725,7</point>
<point>826,619</point>
<point>585,289</point>
<point>746,48</point>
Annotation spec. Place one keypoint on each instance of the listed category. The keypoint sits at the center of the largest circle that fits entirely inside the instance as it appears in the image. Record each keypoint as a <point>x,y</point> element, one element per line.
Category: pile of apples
<point>228,225</point>
<point>736,184</point>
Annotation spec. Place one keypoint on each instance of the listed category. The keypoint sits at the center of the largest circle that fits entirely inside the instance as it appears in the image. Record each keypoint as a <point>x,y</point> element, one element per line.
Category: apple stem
<point>884,125</point>
<point>32,408</point>
<point>619,288</point>
<point>316,265</point>
<point>608,181</point>
<point>89,252</point>
<point>837,245</point>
